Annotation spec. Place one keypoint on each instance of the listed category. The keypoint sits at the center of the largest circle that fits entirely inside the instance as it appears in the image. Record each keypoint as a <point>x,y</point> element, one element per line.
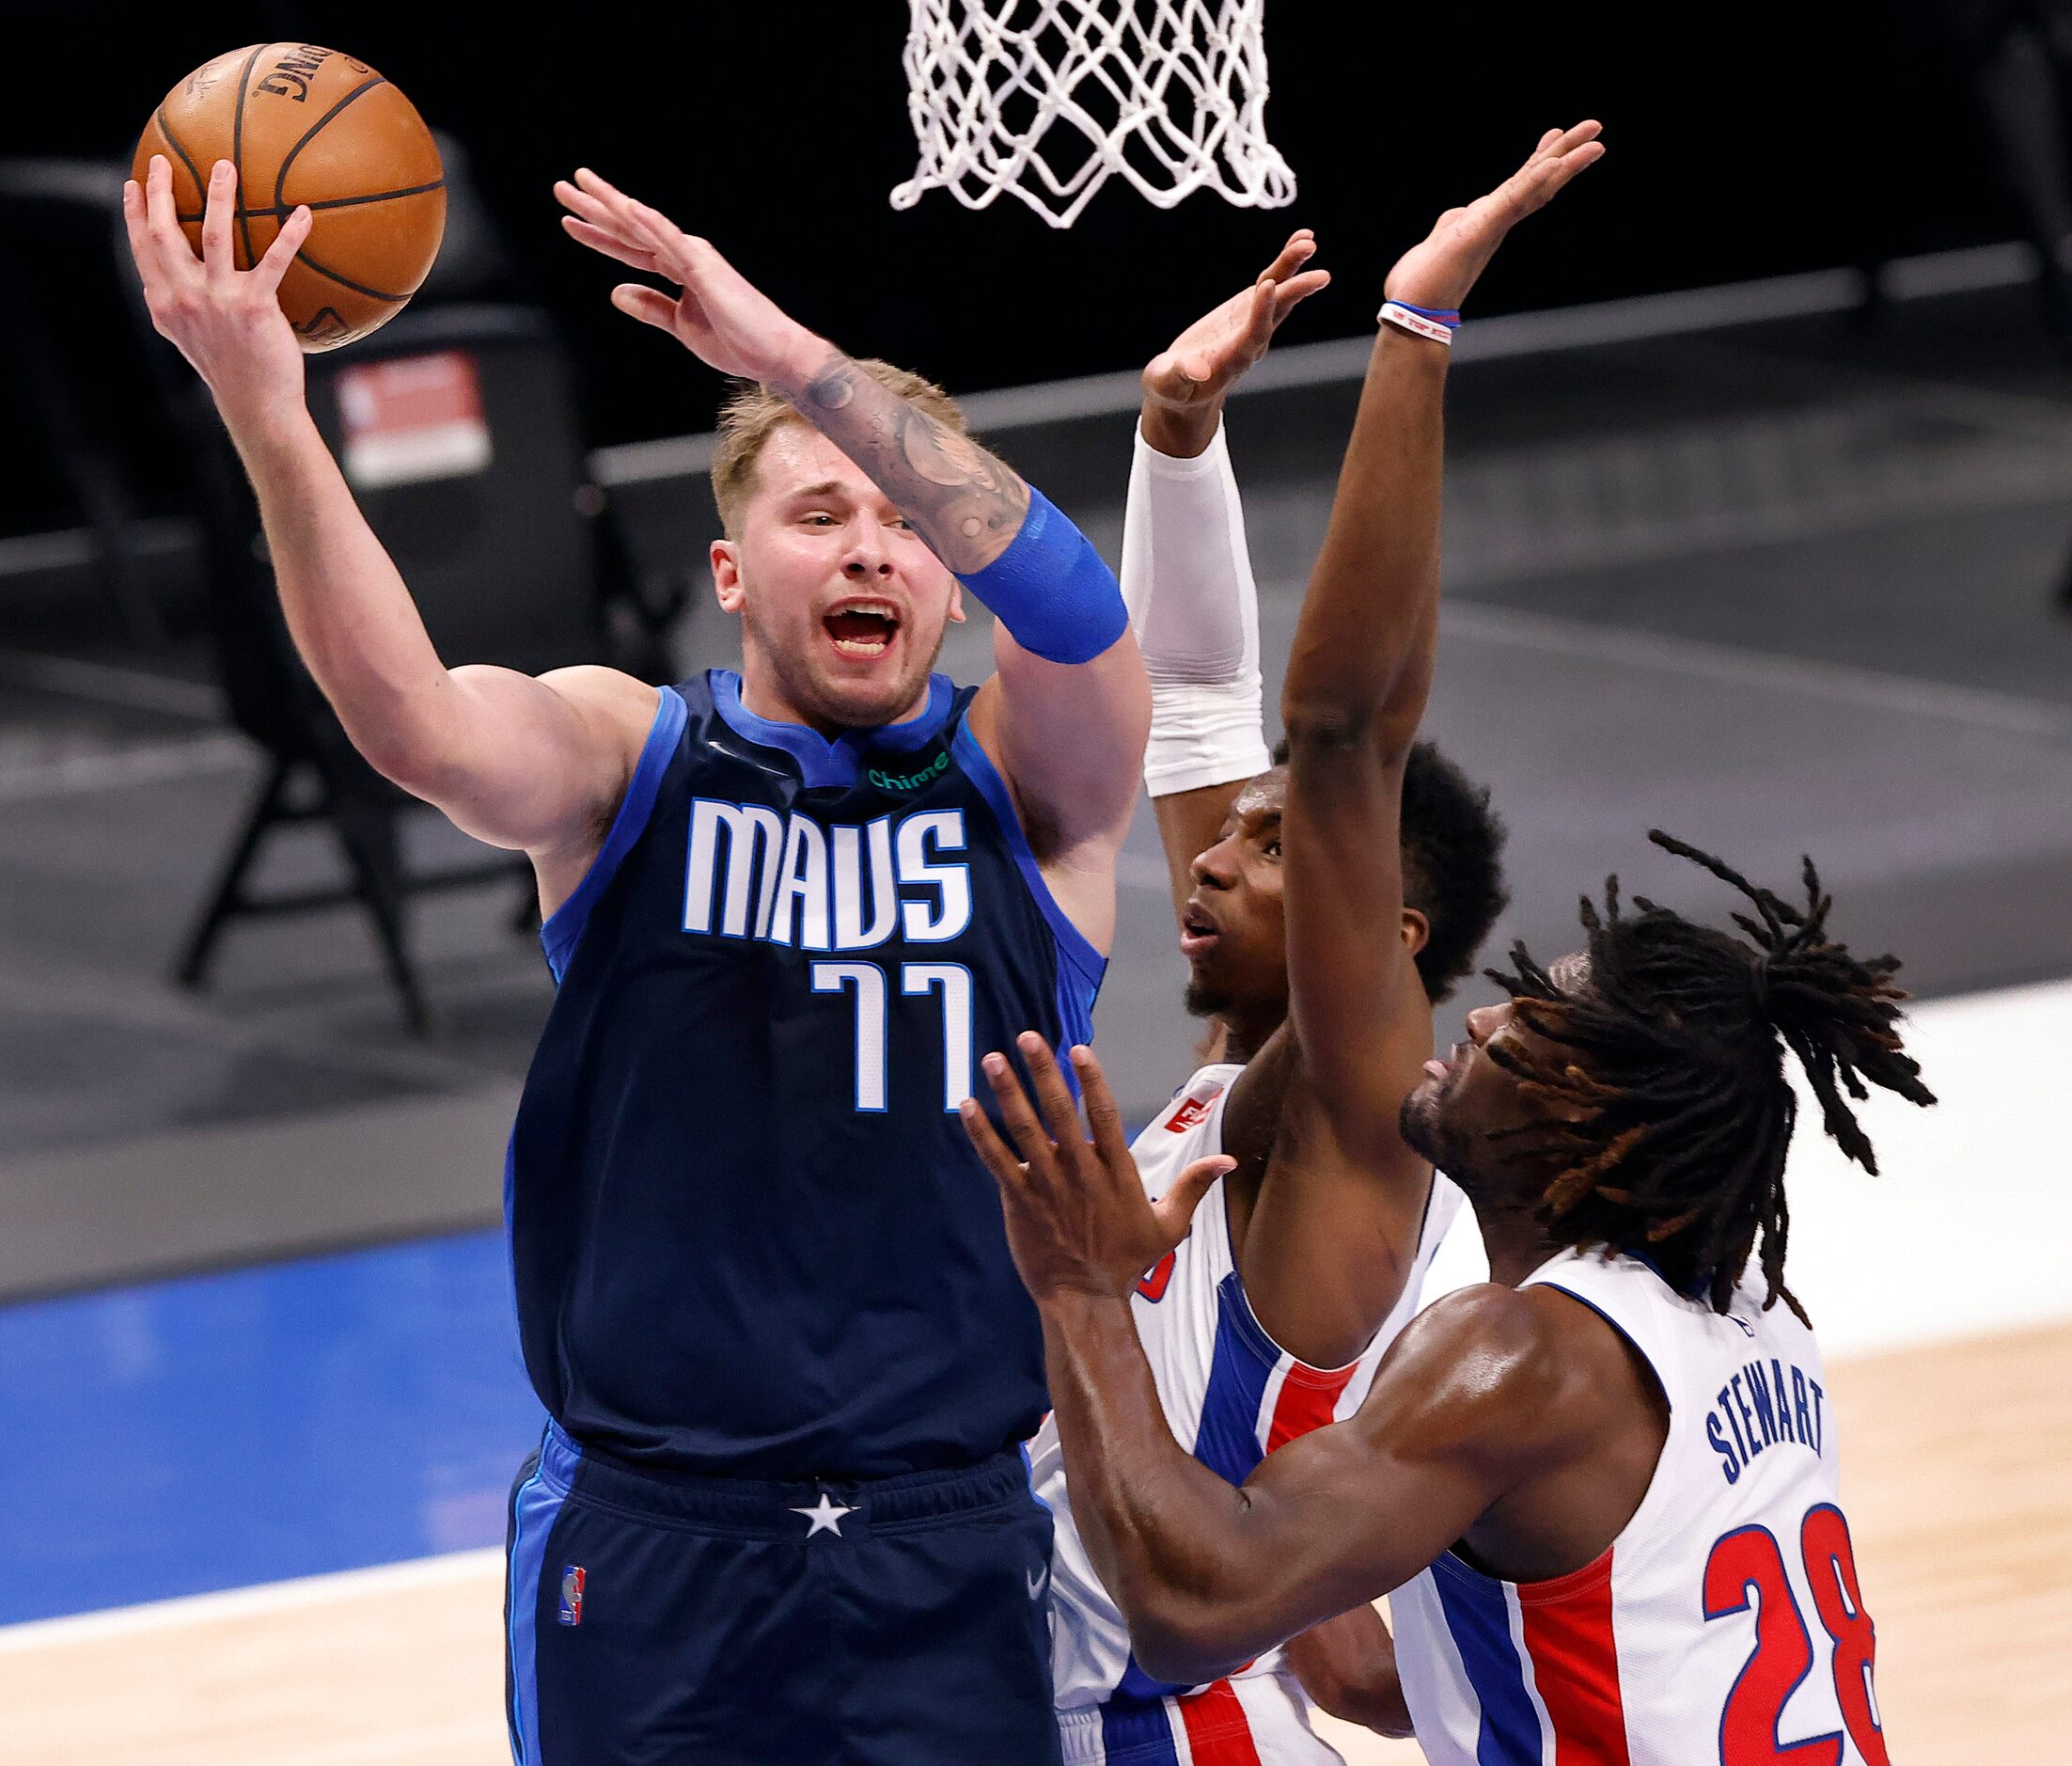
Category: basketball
<point>309,125</point>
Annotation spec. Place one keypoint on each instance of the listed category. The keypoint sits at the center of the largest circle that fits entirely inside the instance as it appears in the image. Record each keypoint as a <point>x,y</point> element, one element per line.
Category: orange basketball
<point>309,125</point>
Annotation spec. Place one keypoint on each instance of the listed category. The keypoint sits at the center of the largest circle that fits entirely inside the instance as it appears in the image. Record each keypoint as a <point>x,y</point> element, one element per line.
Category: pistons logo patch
<point>572,1594</point>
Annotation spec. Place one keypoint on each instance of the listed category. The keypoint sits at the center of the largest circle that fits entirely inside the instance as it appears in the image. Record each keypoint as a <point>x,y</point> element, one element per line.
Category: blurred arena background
<point>1760,510</point>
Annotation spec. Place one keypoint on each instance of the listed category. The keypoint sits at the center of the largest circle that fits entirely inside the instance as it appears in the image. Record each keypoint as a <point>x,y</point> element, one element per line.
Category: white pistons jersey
<point>1231,1395</point>
<point>1726,1622</point>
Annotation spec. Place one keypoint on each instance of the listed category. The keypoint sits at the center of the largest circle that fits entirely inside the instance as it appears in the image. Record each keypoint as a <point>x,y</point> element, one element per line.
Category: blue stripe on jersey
<point>565,924</point>
<point>534,1510</point>
<point>1227,1439</point>
<point>977,765</point>
<point>1479,1618</point>
<point>1135,1731</point>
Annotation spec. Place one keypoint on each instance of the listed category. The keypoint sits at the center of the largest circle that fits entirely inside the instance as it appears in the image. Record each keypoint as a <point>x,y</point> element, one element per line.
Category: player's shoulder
<point>1523,1364</point>
<point>608,696</point>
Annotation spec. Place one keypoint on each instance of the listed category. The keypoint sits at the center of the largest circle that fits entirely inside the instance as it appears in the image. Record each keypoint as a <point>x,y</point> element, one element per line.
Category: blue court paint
<point>282,1421</point>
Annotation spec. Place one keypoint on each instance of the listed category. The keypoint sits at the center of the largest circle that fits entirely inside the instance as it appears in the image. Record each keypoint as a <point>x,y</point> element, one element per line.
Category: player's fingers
<point>657,225</point>
<point>1104,1115</point>
<point>1542,182</point>
<point>1022,1126</point>
<point>268,272</point>
<point>172,256</point>
<point>599,213</point>
<point>133,223</point>
<point>1296,290</point>
<point>650,306</point>
<point>599,189</point>
<point>577,201</point>
<point>1300,248</point>
<point>621,213</point>
<point>1570,165</point>
<point>221,199</point>
<point>1259,316</point>
<point>602,239</point>
<point>1053,1095</point>
<point>1551,158</point>
<point>1007,1170</point>
<point>1174,1210</point>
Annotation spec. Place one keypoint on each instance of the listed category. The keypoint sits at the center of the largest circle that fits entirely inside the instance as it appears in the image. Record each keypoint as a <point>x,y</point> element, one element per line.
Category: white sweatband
<point>1187,581</point>
<point>1421,321</point>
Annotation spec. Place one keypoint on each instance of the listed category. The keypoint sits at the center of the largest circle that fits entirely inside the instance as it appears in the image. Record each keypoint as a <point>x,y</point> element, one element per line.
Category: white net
<point>1049,99</point>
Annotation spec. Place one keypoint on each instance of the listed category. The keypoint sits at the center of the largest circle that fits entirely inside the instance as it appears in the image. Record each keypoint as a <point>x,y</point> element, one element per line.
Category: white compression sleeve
<point>1187,580</point>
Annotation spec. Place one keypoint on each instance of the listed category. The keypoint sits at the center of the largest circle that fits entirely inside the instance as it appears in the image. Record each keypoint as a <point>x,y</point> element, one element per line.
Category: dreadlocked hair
<point>1674,1075</point>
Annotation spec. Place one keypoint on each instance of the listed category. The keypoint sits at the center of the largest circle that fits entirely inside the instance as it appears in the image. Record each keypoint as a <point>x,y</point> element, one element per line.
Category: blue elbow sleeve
<point>1051,589</point>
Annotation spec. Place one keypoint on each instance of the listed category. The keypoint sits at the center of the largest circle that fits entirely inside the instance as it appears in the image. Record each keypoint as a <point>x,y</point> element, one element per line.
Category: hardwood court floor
<point>1954,1480</point>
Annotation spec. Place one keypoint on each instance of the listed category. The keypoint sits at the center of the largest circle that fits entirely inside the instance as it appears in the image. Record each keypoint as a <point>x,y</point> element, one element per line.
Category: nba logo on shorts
<point>572,1594</point>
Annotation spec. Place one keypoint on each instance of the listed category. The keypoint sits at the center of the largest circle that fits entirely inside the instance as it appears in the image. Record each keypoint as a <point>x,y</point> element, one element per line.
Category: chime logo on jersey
<point>572,1594</point>
<point>754,873</point>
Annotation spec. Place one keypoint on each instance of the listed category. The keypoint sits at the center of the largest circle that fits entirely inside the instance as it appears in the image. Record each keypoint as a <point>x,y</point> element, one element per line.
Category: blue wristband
<point>1444,315</point>
<point>1051,589</point>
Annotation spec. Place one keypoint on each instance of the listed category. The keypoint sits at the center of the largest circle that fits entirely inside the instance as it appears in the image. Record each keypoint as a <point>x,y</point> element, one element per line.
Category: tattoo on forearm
<point>962,500</point>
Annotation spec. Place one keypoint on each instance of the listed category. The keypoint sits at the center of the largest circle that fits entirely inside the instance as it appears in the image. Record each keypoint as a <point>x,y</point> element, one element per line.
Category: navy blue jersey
<point>749,1236</point>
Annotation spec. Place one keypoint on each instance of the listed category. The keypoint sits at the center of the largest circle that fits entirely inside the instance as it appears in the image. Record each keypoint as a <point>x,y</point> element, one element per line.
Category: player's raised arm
<point>522,762</point>
<point>1471,1399</point>
<point>1187,573</point>
<point>1065,718</point>
<point>1361,668</point>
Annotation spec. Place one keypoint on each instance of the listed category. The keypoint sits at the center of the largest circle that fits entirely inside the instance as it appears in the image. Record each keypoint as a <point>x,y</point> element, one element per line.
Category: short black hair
<point>1670,1062</point>
<point>1453,865</point>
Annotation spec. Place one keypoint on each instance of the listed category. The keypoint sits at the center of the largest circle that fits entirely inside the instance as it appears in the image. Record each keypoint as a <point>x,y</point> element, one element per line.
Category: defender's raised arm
<point>1187,570</point>
<point>1361,668</point>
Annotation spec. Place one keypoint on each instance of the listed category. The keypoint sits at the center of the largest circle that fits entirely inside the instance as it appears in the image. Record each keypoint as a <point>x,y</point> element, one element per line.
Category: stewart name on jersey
<point>748,1234</point>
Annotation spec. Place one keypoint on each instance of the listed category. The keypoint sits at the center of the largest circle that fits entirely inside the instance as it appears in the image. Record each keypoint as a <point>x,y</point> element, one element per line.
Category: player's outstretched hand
<point>1193,373</point>
<point>720,316</point>
<point>226,321</point>
<point>1440,270</point>
<point>1077,1218</point>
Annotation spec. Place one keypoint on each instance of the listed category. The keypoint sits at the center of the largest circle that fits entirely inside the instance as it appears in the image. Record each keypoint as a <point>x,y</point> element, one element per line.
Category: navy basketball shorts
<point>663,1619</point>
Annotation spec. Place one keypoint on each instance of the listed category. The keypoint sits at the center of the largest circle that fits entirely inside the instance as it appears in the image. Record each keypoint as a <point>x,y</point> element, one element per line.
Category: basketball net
<point>1050,99</point>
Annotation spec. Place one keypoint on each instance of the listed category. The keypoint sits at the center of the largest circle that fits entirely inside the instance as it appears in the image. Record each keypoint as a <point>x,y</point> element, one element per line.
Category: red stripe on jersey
<point>1567,1626</point>
<point>1307,1398</point>
<point>1218,1732</point>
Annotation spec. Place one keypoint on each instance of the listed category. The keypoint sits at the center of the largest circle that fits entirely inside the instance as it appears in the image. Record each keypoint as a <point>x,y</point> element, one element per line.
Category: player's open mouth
<point>1197,932</point>
<point>862,628</point>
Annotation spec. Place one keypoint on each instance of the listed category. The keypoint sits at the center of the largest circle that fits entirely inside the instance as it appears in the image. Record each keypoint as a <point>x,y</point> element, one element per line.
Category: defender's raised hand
<point>1440,270</point>
<point>1077,1218</point>
<point>720,316</point>
<point>1207,359</point>
<point>226,321</point>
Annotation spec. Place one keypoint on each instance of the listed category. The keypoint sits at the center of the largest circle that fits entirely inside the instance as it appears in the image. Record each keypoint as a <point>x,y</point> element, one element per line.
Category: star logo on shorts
<point>826,1515</point>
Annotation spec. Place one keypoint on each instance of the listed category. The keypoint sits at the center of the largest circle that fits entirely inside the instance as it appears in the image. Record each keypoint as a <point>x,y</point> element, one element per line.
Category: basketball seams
<point>186,159</point>
<point>281,212</point>
<point>237,143</point>
<point>308,262</point>
<point>309,134</point>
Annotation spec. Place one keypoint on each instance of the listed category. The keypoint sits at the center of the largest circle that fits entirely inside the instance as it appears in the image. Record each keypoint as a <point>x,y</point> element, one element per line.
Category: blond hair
<point>753,413</point>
